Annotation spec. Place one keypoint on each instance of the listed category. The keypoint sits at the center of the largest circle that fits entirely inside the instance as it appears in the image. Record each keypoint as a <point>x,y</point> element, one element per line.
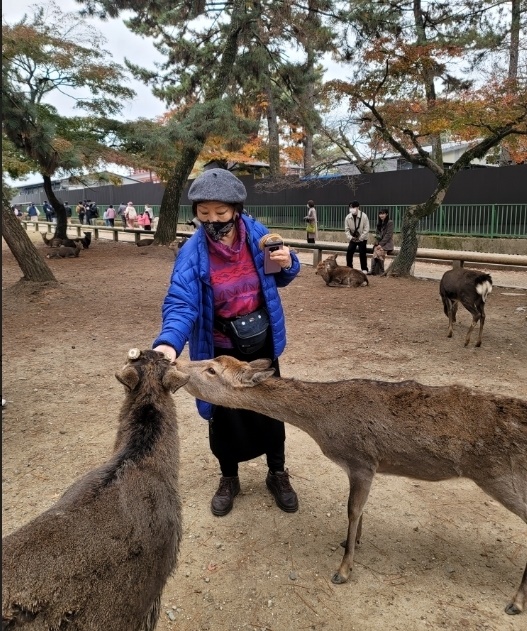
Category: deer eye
<point>211,371</point>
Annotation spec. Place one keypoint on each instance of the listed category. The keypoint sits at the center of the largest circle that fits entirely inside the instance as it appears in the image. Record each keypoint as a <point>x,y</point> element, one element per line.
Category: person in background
<point>143,220</point>
<point>110,215</point>
<point>383,243</point>
<point>120,213</point>
<point>357,228</point>
<point>87,212</point>
<point>218,276</point>
<point>81,212</point>
<point>311,219</point>
<point>148,209</point>
<point>33,212</point>
<point>48,210</point>
<point>69,212</point>
<point>131,215</point>
<point>92,213</point>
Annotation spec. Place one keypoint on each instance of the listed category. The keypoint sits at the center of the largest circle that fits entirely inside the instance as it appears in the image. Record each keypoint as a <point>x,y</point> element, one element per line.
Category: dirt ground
<point>434,555</point>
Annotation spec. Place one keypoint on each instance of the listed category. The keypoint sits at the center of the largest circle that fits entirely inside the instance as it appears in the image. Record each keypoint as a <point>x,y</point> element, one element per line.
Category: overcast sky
<point>120,42</point>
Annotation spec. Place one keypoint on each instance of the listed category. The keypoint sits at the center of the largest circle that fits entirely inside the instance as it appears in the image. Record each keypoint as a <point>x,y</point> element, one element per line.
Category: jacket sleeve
<point>347,230</point>
<point>388,235</point>
<point>366,228</point>
<point>284,277</point>
<point>181,305</point>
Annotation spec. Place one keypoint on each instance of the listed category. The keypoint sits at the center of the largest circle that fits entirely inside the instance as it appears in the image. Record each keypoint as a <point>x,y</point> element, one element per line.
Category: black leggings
<point>353,245</point>
<point>239,435</point>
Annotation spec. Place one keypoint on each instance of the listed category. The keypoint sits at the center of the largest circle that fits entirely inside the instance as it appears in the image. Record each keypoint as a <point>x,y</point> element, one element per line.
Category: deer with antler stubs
<point>368,427</point>
<point>100,557</point>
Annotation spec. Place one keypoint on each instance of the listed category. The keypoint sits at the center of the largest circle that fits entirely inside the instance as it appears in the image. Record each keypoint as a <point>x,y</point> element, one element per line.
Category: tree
<point>33,267</point>
<point>39,62</point>
<point>407,94</point>
<point>199,76</point>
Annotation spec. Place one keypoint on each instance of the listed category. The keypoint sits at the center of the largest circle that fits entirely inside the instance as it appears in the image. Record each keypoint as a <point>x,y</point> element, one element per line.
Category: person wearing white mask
<point>357,227</point>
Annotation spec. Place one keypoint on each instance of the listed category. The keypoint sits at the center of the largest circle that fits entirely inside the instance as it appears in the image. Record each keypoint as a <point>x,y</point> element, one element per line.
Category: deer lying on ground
<point>63,252</point>
<point>336,275</point>
<point>470,288</point>
<point>54,242</point>
<point>367,427</point>
<point>177,244</point>
<point>99,558</point>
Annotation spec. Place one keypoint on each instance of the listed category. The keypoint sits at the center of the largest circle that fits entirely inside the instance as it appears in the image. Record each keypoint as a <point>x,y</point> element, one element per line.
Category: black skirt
<point>240,435</point>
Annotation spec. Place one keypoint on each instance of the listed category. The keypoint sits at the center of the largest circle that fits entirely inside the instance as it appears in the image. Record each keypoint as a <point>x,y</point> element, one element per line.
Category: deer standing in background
<point>470,288</point>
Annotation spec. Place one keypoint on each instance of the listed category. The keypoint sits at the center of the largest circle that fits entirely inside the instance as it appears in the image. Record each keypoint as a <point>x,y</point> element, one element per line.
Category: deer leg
<point>452,309</point>
<point>360,485</point>
<point>518,602</point>
<point>481,323</point>
<point>150,620</point>
<point>357,536</point>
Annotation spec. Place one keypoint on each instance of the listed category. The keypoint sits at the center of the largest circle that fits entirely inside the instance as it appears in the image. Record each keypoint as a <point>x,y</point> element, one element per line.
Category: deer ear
<point>256,373</point>
<point>261,364</point>
<point>173,379</point>
<point>128,377</point>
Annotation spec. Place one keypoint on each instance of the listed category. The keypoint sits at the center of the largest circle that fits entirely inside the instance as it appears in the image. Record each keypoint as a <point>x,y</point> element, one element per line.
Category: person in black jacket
<point>383,243</point>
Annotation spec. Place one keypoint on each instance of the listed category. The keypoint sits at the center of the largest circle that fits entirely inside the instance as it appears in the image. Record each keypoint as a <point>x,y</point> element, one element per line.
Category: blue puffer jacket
<point>188,309</point>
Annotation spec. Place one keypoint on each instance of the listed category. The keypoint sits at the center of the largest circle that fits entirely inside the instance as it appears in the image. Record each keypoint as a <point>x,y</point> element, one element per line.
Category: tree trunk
<point>169,210</point>
<point>513,61</point>
<point>308,111</point>
<point>403,263</point>
<point>58,207</point>
<point>32,265</point>
<point>274,135</point>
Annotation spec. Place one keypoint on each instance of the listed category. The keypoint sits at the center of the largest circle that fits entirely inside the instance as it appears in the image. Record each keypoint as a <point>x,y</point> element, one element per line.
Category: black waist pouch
<point>247,333</point>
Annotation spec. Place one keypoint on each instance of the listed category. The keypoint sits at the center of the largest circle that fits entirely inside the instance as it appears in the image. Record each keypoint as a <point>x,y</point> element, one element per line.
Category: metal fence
<point>475,220</point>
<point>467,220</point>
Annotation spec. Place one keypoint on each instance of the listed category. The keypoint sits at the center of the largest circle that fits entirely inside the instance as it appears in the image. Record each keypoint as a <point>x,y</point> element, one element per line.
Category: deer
<point>54,242</point>
<point>336,275</point>
<point>100,557</point>
<point>63,252</point>
<point>470,288</point>
<point>366,427</point>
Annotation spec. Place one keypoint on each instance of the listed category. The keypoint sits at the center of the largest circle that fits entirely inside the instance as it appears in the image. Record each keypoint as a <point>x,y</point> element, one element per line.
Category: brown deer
<point>54,242</point>
<point>367,427</point>
<point>63,252</point>
<point>470,288</point>
<point>336,275</point>
<point>99,558</point>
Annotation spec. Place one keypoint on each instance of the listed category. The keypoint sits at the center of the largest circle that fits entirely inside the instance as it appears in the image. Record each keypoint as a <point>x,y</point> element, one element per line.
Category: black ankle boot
<point>223,500</point>
<point>283,493</point>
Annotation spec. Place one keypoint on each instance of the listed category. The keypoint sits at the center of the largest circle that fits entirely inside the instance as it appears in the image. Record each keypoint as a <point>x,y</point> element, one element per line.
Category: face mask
<point>218,229</point>
<point>354,211</point>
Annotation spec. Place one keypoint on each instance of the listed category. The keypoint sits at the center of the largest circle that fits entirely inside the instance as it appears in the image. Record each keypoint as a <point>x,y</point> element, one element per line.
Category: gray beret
<point>217,185</point>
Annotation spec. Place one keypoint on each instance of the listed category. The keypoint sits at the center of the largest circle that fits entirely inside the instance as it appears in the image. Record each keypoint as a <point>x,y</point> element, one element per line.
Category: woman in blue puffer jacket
<point>219,275</point>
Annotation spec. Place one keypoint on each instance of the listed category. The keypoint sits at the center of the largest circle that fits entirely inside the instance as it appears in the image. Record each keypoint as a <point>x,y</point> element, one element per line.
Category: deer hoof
<point>338,579</point>
<point>134,353</point>
<point>512,609</point>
